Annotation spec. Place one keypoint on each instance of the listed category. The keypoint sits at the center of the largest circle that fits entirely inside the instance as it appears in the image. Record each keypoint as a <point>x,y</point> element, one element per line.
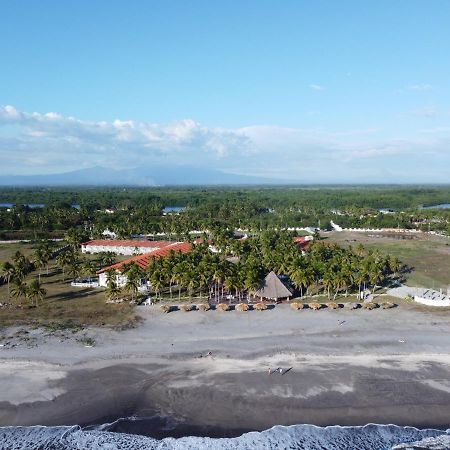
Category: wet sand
<point>348,368</point>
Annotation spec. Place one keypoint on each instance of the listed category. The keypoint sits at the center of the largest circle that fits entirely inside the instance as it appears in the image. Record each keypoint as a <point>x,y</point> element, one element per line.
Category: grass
<point>7,251</point>
<point>428,256</point>
<point>65,306</point>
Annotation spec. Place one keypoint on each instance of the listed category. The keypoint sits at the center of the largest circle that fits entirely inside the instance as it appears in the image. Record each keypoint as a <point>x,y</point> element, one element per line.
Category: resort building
<point>141,261</point>
<point>123,247</point>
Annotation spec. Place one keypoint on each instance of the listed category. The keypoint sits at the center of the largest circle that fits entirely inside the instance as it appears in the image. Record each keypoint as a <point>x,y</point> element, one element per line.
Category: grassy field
<point>7,250</point>
<point>428,256</point>
<point>63,305</point>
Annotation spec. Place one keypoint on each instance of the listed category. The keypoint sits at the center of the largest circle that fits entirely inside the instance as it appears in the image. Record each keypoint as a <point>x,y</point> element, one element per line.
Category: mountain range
<point>145,176</point>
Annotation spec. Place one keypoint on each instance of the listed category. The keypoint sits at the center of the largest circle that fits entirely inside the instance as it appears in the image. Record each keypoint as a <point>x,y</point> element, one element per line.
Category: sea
<point>294,437</point>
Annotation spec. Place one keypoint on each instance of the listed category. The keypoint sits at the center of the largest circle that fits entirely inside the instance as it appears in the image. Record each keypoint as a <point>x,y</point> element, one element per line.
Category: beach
<point>209,371</point>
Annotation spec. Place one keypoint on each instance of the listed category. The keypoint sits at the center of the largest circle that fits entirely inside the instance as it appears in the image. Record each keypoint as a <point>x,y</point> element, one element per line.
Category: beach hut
<point>272,288</point>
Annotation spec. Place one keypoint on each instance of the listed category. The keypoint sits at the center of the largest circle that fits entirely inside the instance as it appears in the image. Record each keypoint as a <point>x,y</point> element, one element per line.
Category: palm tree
<point>19,288</point>
<point>359,278</point>
<point>74,238</point>
<point>298,278</point>
<point>339,282</point>
<point>65,259</point>
<point>133,274</point>
<point>40,261</point>
<point>328,281</point>
<point>46,252</point>
<point>87,269</point>
<point>112,288</point>
<point>35,292</point>
<point>8,270</point>
<point>74,269</point>
<point>107,258</point>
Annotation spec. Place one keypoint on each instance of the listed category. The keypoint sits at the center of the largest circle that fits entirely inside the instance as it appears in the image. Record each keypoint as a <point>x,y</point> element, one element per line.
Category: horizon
<point>298,93</point>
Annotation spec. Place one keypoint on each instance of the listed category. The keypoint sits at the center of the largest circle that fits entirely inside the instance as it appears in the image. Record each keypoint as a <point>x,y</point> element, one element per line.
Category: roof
<point>143,260</point>
<point>127,243</point>
<point>302,242</point>
<point>272,288</point>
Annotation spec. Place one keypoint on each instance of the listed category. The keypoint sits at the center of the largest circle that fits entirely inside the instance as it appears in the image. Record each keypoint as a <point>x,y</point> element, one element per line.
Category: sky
<point>303,91</point>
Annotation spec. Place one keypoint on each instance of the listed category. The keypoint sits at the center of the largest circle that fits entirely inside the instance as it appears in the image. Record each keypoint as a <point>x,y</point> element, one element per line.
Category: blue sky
<point>352,91</point>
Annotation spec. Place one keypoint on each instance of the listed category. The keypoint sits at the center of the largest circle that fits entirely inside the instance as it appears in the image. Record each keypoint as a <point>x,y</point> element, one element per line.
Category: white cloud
<point>44,143</point>
<point>317,87</point>
<point>419,87</point>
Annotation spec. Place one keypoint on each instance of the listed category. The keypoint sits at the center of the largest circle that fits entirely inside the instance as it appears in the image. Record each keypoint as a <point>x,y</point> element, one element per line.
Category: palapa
<point>272,288</point>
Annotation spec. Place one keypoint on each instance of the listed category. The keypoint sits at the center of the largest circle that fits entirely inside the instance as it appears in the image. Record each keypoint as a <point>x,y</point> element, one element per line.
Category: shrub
<point>296,306</point>
<point>203,307</point>
<point>315,306</point>
<point>388,305</point>
<point>242,307</point>
<point>223,307</point>
<point>333,305</point>
<point>165,308</point>
<point>187,308</point>
<point>370,305</point>
<point>260,306</point>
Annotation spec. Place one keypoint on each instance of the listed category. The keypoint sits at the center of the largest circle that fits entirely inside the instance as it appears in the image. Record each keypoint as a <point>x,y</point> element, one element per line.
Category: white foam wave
<point>296,437</point>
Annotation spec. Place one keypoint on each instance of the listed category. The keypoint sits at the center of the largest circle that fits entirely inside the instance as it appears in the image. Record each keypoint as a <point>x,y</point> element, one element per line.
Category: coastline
<point>376,367</point>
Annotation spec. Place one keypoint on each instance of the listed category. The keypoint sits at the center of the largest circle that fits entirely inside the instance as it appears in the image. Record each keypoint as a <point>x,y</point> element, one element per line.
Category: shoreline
<point>379,367</point>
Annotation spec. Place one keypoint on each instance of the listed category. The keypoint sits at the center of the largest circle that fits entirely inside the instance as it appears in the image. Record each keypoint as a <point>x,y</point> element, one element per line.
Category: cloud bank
<point>40,143</point>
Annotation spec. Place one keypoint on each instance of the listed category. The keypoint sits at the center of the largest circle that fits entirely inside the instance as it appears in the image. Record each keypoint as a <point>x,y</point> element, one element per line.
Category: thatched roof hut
<point>272,288</point>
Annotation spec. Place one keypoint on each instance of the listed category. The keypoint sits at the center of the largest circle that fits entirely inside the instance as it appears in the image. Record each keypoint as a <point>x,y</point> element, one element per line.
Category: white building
<point>142,262</point>
<point>123,247</point>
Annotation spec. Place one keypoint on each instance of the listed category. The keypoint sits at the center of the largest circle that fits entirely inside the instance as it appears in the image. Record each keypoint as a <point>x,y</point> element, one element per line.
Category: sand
<point>347,368</point>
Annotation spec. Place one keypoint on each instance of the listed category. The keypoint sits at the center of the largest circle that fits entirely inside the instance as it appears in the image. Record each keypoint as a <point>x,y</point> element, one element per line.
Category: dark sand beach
<point>347,368</point>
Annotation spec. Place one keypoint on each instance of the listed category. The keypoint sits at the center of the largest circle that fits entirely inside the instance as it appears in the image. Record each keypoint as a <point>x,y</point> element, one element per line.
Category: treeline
<point>134,211</point>
<point>376,197</point>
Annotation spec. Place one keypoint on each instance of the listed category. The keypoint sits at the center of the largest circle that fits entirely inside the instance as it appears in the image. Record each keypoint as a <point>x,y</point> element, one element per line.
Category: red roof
<point>127,243</point>
<point>143,260</point>
<point>302,242</point>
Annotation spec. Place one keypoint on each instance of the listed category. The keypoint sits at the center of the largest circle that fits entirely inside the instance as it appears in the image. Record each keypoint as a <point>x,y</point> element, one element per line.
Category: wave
<point>295,437</point>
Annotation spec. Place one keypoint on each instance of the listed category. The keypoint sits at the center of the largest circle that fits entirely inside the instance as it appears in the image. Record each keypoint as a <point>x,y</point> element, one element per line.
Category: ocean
<point>295,437</point>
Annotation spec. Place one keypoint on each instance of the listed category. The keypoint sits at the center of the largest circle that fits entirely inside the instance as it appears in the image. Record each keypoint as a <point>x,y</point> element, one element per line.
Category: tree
<point>35,292</point>
<point>74,238</point>
<point>64,260</point>
<point>133,274</point>
<point>39,261</point>
<point>112,289</point>
<point>8,271</point>
<point>19,288</point>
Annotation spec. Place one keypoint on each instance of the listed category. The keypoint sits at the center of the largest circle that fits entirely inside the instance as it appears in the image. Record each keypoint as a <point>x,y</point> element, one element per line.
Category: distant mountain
<point>146,176</point>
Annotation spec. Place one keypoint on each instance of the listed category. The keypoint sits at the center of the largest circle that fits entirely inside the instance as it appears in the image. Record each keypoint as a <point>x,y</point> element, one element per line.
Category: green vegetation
<point>140,210</point>
<point>36,275</point>
<point>41,295</point>
<point>428,257</point>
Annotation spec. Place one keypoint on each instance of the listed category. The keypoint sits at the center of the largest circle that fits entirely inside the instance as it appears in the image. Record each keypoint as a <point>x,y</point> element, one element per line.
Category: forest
<point>49,212</point>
